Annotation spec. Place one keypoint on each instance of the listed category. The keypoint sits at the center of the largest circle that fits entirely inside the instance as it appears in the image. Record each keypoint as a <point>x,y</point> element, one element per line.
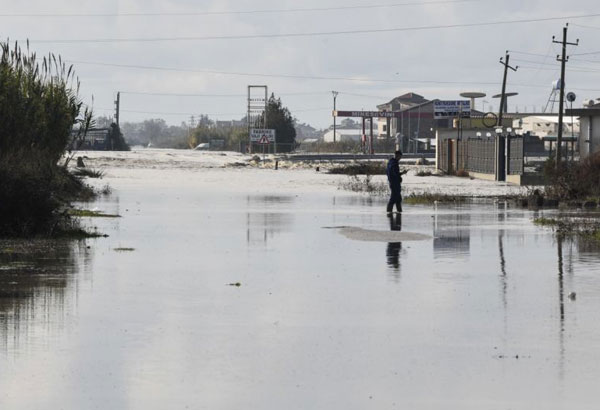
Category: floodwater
<point>474,316</point>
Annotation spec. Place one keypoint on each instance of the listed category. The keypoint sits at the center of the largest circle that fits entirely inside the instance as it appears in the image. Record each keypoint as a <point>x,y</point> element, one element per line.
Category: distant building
<point>544,126</point>
<point>230,124</point>
<point>589,118</point>
<point>392,126</point>
<point>343,134</point>
<point>96,139</point>
<point>415,127</point>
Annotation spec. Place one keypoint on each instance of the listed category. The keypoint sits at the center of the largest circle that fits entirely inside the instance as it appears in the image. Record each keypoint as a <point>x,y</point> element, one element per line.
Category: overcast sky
<point>447,60</point>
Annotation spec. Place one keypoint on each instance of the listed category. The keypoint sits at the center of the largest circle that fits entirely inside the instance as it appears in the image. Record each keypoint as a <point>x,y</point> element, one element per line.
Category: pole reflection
<point>561,301</point>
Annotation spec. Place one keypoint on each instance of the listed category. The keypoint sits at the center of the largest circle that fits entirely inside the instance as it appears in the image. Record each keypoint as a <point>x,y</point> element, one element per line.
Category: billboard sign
<point>367,114</point>
<point>262,135</point>
<point>451,109</point>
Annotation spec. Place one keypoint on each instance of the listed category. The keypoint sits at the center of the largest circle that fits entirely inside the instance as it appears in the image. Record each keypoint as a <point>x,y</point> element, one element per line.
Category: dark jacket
<point>393,172</point>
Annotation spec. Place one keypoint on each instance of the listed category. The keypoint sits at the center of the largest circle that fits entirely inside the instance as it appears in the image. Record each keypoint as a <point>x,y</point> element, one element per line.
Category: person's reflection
<point>393,248</point>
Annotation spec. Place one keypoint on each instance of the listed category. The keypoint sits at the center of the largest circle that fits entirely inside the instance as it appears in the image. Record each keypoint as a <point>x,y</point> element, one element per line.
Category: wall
<point>585,147</point>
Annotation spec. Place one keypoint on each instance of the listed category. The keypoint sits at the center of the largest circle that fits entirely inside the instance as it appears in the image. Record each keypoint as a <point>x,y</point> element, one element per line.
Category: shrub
<point>39,106</point>
<point>362,168</point>
<point>573,180</point>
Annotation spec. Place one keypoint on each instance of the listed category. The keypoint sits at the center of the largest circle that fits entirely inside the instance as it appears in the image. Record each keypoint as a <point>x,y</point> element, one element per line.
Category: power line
<point>575,68</point>
<point>207,114</point>
<point>578,70</point>
<point>528,53</point>
<point>295,76</point>
<point>311,34</point>
<point>582,26</point>
<point>165,94</point>
<point>586,54</point>
<point>238,12</point>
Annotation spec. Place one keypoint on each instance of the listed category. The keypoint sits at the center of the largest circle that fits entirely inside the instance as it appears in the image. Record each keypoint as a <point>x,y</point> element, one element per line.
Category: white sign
<point>262,135</point>
<point>451,109</point>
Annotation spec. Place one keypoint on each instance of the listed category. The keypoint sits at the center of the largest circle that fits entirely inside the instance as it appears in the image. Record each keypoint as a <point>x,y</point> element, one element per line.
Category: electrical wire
<point>165,94</point>
<point>241,12</point>
<point>310,34</point>
<point>571,66</point>
<point>207,114</point>
<point>294,76</point>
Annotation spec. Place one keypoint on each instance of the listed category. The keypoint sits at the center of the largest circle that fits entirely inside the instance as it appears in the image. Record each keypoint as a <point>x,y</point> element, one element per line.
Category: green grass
<point>546,221</point>
<point>427,198</point>
<point>91,214</point>
<point>362,168</point>
<point>571,227</point>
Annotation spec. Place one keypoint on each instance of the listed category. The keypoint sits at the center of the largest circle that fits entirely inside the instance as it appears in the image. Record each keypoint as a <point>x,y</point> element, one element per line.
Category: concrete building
<point>343,134</point>
<point>230,124</point>
<point>546,126</point>
<point>589,119</point>
<point>391,126</point>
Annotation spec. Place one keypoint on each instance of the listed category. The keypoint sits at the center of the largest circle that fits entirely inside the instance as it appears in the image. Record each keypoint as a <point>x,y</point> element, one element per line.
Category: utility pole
<point>563,59</point>
<point>335,94</point>
<point>117,107</point>
<point>503,96</point>
<point>502,153</point>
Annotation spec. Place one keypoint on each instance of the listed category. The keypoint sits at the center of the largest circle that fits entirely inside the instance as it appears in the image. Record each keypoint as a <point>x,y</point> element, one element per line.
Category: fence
<point>478,155</point>
<point>256,148</point>
<point>515,157</point>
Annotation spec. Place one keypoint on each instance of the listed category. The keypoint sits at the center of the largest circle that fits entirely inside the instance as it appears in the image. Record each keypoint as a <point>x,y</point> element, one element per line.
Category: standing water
<point>228,299</point>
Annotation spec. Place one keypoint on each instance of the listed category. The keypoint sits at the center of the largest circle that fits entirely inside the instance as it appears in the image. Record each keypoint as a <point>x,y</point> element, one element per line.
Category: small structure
<point>96,139</point>
<point>589,119</point>
<point>344,134</point>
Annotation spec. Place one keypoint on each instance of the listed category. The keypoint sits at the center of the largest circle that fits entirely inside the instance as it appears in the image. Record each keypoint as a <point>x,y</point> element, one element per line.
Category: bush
<point>39,106</point>
<point>361,168</point>
<point>365,185</point>
<point>573,180</point>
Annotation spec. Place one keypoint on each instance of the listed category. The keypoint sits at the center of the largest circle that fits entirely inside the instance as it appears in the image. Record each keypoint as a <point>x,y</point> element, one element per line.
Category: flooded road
<point>474,315</point>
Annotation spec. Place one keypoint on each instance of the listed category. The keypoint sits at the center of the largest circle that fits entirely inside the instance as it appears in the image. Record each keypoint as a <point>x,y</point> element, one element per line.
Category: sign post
<point>451,109</point>
<point>263,136</point>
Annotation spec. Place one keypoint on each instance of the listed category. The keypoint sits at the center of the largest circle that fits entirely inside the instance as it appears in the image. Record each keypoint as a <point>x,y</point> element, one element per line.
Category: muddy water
<point>476,316</point>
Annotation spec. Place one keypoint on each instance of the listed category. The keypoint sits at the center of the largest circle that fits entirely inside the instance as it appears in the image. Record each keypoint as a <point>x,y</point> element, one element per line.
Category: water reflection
<point>38,281</point>
<point>451,235</point>
<point>392,252</point>
<point>262,224</point>
<point>561,302</point>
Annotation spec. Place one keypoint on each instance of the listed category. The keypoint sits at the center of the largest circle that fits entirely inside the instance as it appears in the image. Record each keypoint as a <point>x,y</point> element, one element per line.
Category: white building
<point>345,134</point>
<point>547,126</point>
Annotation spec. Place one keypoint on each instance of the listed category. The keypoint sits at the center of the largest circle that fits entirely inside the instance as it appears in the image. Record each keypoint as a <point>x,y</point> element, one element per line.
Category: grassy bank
<point>586,228</point>
<point>39,107</point>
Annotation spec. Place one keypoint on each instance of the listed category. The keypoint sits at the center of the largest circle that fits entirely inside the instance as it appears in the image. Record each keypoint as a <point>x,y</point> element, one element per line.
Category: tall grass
<point>574,180</point>
<point>39,106</point>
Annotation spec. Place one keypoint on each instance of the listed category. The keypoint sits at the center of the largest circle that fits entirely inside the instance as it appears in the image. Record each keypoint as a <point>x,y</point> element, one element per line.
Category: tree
<point>117,142</point>
<point>280,119</point>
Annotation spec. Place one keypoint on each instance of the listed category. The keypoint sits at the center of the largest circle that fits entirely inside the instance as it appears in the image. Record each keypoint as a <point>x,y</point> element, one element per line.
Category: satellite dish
<point>571,96</point>
<point>472,94</point>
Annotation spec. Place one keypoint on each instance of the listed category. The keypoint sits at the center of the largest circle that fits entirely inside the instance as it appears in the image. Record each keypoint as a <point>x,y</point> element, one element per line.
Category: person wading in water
<point>395,179</point>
